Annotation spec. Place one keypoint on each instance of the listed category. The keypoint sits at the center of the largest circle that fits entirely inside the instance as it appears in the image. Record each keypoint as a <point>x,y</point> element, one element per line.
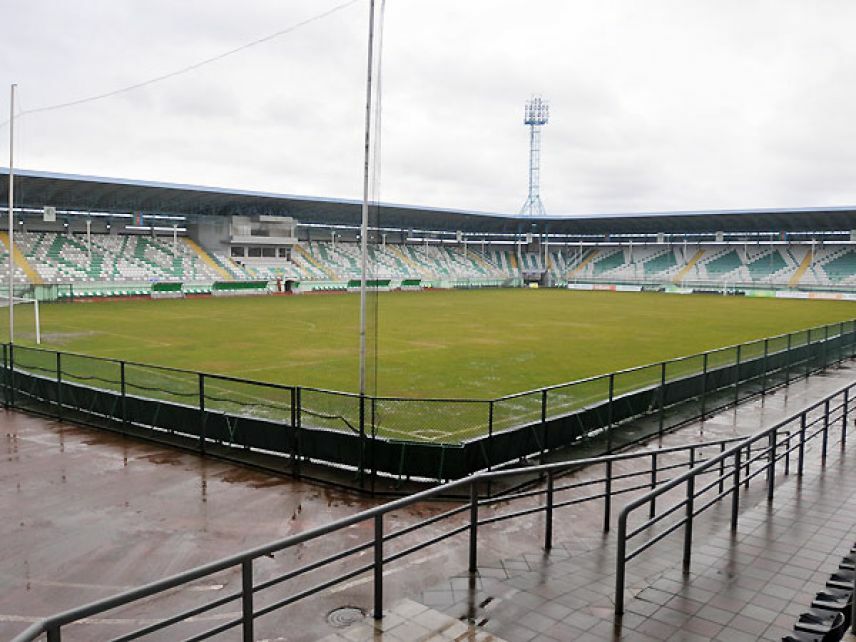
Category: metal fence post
<point>788,362</point>
<point>703,385</point>
<point>808,352</point>
<point>844,410</point>
<point>11,374</point>
<point>737,377</point>
<point>124,393</point>
<point>662,396</point>
<point>202,413</point>
<point>53,633</point>
<point>607,496</point>
<point>543,423</point>
<point>548,522</point>
<point>362,427</point>
<point>801,449</point>
<point>735,491</point>
<point>825,440</point>
<point>620,563</point>
<point>489,434</point>
<point>771,466</point>
<point>247,600</point>
<point>474,527</point>
<point>609,413</point>
<point>722,468</point>
<point>6,387</point>
<point>825,346</point>
<point>688,525</point>
<point>764,367</point>
<point>841,342</point>
<point>378,567</point>
<point>652,507</point>
<point>58,386</point>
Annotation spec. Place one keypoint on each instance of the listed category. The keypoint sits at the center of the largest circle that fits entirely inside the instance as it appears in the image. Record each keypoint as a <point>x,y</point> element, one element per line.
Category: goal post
<point>20,300</point>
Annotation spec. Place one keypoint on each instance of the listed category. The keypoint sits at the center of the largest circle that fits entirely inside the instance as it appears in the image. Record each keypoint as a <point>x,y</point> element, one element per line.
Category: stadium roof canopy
<point>36,189</point>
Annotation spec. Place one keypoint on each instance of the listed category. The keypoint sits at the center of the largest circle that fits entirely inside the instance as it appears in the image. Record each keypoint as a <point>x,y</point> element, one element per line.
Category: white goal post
<point>19,300</point>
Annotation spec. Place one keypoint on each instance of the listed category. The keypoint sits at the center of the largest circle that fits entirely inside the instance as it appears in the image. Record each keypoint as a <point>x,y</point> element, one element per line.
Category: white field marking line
<point>365,580</point>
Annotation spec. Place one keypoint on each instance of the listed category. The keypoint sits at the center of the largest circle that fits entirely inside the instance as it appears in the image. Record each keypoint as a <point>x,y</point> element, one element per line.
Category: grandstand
<point>117,237</point>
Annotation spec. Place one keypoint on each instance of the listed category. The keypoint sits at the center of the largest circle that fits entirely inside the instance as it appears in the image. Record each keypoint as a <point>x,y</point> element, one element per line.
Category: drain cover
<point>345,616</point>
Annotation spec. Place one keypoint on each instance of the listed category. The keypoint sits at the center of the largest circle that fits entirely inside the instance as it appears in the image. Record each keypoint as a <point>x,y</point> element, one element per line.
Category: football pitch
<point>449,344</point>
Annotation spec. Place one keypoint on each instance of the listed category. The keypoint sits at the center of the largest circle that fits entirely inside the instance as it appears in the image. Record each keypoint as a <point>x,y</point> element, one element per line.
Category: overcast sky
<point>655,105</point>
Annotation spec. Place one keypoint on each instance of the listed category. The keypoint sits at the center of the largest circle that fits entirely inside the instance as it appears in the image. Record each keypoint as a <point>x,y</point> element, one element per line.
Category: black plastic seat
<point>830,625</point>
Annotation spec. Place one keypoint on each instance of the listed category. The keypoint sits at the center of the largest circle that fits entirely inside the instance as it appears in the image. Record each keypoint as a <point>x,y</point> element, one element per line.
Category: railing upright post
<point>688,524</point>
<point>620,563</point>
<point>662,396</point>
<point>737,377</point>
<point>841,342</point>
<point>548,521</point>
<point>722,468</point>
<point>764,367</point>
<point>825,440</point>
<point>771,466</point>
<point>735,491</point>
<point>377,611</point>
<point>610,414</point>
<point>202,413</point>
<point>58,385</point>
<point>652,506</point>
<point>53,633</point>
<point>543,423</point>
<point>801,449</point>
<point>474,527</point>
<point>703,386</point>
<point>825,346</point>
<point>844,410</point>
<point>362,431</point>
<point>247,600</point>
<point>11,374</point>
<point>808,352</point>
<point>788,362</point>
<point>6,386</point>
<point>748,467</point>
<point>607,496</point>
<point>123,391</point>
<point>490,434</point>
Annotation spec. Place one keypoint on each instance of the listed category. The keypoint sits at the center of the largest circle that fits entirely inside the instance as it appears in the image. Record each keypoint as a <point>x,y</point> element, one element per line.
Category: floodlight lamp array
<point>536,111</point>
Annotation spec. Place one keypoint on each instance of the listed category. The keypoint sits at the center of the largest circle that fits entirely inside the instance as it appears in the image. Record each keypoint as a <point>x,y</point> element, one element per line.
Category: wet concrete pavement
<point>87,514</point>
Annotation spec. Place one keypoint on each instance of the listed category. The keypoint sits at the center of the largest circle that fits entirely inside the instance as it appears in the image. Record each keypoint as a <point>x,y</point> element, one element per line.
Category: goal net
<point>24,310</point>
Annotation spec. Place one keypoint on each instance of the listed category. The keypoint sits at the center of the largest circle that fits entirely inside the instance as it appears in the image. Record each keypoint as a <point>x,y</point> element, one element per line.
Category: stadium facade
<point>90,236</point>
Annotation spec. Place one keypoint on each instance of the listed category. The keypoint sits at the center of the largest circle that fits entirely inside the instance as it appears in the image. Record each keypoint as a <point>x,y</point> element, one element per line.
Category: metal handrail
<point>770,453</point>
<point>52,625</point>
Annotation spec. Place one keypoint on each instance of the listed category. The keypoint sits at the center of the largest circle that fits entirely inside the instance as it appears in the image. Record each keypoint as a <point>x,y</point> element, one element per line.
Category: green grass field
<point>442,343</point>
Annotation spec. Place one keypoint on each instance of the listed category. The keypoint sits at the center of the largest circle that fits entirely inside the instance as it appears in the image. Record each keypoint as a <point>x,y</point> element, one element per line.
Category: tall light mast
<point>536,113</point>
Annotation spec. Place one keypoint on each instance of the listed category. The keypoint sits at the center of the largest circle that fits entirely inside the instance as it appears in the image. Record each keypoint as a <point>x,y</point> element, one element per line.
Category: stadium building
<point>86,236</point>
<point>684,499</point>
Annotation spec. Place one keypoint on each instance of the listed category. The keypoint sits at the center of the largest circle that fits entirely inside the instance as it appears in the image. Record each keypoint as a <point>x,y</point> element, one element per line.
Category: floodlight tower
<point>536,113</point>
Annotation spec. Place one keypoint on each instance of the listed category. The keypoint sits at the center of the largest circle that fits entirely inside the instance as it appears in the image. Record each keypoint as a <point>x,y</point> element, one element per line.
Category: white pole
<point>11,217</point>
<point>38,323</point>
<point>364,225</point>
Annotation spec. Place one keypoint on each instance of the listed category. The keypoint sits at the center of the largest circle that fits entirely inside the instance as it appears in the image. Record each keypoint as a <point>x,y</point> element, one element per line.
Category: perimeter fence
<point>435,439</point>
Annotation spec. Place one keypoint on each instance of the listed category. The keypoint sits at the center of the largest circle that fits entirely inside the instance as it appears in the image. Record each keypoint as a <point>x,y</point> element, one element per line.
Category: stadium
<point>239,414</point>
<point>765,295</point>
